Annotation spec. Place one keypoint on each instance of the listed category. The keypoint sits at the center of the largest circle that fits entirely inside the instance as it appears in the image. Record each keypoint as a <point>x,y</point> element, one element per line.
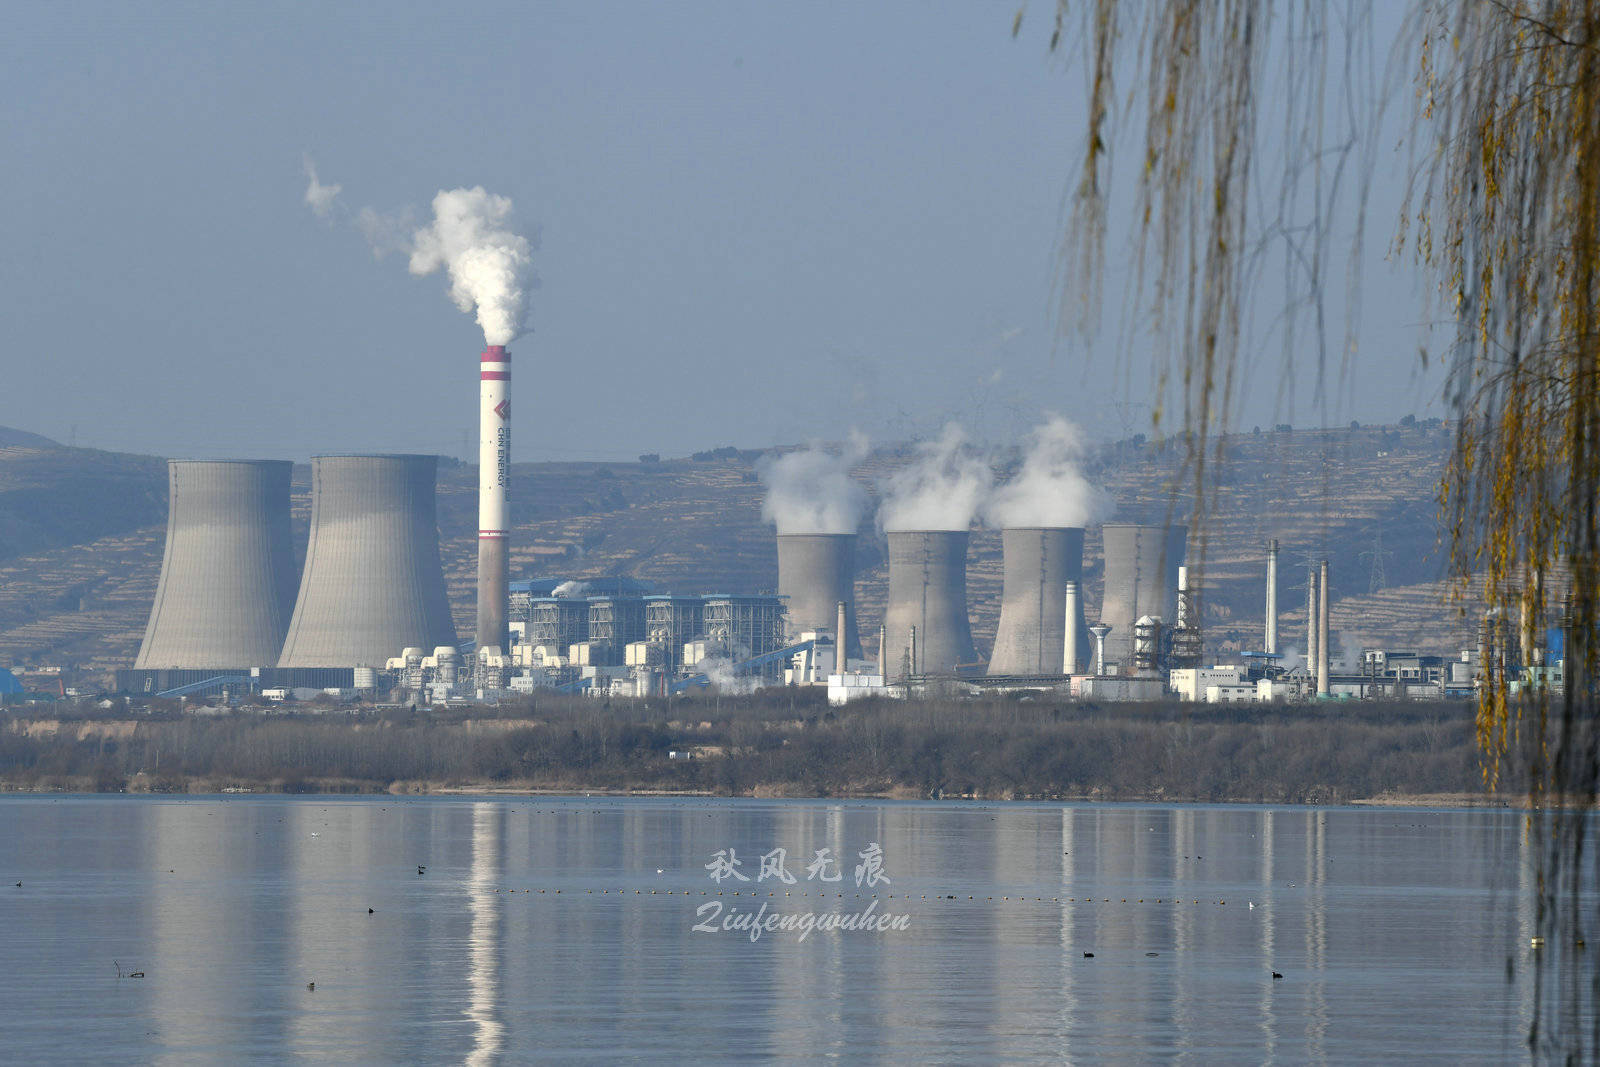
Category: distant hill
<point>10,438</point>
<point>81,536</point>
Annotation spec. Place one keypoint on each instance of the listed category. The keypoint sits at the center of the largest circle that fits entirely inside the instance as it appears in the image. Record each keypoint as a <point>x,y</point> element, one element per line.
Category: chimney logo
<point>503,409</point>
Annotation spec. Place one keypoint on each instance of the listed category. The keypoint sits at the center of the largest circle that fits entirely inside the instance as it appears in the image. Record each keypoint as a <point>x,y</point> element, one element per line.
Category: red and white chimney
<point>494,478</point>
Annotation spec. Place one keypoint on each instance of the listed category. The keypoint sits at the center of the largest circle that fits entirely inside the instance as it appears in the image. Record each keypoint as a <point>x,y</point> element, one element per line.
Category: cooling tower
<point>928,591</point>
<point>815,572</point>
<point>372,584</point>
<point>1141,578</point>
<point>227,579</point>
<point>1039,563</point>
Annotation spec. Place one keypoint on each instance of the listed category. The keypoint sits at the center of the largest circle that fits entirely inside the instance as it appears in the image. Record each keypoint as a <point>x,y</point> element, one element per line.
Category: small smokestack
<point>1311,623</point>
<point>1069,657</point>
<point>912,651</point>
<point>1099,633</point>
<point>883,637</point>
<point>840,653</point>
<point>1322,632</point>
<point>494,479</point>
<point>1271,636</point>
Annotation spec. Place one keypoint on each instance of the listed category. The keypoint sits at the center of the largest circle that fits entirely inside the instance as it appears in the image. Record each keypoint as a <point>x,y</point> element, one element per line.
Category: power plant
<point>1034,628</point>
<point>1141,579</point>
<point>816,573</point>
<point>372,583</point>
<point>925,622</point>
<point>227,577</point>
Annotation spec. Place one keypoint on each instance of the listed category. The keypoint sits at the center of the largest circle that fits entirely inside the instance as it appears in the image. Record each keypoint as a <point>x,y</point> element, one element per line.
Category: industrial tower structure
<point>927,595</point>
<point>373,584</point>
<point>227,578</point>
<point>1034,628</point>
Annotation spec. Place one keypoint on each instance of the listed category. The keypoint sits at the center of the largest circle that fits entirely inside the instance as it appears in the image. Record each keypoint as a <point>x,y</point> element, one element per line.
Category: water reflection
<point>483,970</point>
<point>565,927</point>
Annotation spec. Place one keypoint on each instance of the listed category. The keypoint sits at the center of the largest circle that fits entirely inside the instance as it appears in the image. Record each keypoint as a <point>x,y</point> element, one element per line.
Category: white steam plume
<point>490,264</point>
<point>571,589</point>
<point>941,490</point>
<point>473,237</point>
<point>1050,490</point>
<point>319,197</point>
<point>811,491</point>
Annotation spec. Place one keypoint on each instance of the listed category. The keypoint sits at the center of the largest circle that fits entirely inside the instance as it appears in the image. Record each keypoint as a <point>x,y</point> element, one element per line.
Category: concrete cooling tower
<point>928,592</point>
<point>1141,578</point>
<point>228,578</point>
<point>1039,562</point>
<point>372,584</point>
<point>815,572</point>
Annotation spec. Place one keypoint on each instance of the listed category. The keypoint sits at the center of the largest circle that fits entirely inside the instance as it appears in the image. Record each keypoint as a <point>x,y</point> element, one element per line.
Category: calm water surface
<point>1401,935</point>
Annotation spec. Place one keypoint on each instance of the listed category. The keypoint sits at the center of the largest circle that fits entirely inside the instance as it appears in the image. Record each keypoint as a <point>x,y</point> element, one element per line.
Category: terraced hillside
<point>81,536</point>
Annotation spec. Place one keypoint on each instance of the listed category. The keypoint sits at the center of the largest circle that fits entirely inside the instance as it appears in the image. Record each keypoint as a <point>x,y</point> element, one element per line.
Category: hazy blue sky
<point>759,223</point>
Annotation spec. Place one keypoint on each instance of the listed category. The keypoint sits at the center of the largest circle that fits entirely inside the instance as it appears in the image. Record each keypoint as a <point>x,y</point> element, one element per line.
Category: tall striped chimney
<point>494,478</point>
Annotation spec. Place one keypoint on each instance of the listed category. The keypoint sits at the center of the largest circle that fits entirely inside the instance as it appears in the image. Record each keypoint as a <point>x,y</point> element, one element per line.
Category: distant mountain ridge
<point>81,535</point>
<point>13,438</point>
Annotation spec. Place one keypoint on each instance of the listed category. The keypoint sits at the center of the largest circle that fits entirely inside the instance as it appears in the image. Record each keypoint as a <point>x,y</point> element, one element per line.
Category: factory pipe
<point>1311,623</point>
<point>1074,617</point>
<point>494,479</point>
<point>1322,631</point>
<point>841,654</point>
<point>1271,635</point>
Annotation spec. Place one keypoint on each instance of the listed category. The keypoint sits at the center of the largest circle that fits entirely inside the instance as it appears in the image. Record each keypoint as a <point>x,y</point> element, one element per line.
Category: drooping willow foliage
<point>1505,211</point>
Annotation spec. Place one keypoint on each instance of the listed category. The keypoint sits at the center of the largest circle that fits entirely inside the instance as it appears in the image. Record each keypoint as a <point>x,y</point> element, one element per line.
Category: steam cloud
<point>473,237</point>
<point>489,263</point>
<point>571,589</point>
<point>811,491</point>
<point>319,197</point>
<point>941,490</point>
<point>1050,490</point>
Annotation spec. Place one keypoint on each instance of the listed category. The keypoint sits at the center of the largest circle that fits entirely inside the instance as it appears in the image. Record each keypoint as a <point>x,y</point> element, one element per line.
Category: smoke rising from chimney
<point>941,490</point>
<point>489,263</point>
<point>1050,490</point>
<point>473,237</point>
<point>811,491</point>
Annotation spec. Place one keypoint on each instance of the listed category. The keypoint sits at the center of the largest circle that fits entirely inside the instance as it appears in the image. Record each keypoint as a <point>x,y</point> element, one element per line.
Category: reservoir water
<point>547,928</point>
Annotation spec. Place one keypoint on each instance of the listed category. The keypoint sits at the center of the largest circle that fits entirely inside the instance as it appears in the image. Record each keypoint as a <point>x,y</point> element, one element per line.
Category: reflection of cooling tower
<point>1038,565</point>
<point>928,590</point>
<point>227,580</point>
<point>373,584</point>
<point>1141,578</point>
<point>816,571</point>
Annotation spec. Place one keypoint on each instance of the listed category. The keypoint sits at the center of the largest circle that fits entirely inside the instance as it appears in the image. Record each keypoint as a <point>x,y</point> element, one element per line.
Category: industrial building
<point>1141,579</point>
<point>1034,628</point>
<point>926,628</point>
<point>373,583</point>
<point>228,577</point>
<point>817,573</point>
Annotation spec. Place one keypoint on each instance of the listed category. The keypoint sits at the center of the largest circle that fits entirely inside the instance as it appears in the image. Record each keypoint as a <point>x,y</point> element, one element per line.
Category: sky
<point>756,224</point>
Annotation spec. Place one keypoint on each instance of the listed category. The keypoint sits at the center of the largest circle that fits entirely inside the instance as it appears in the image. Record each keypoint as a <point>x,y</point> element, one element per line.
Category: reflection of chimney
<point>1271,636</point>
<point>1069,657</point>
<point>1322,632</point>
<point>1311,623</point>
<point>1100,632</point>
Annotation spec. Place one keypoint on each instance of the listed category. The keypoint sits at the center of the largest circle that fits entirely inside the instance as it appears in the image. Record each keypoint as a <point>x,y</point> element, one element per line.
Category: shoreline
<point>1439,801</point>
